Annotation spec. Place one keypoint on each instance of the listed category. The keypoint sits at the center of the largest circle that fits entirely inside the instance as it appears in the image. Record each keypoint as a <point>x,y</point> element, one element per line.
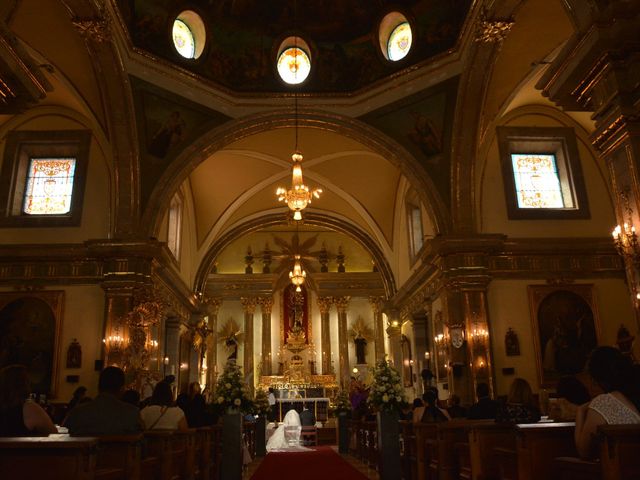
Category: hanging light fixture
<point>298,195</point>
<point>297,275</point>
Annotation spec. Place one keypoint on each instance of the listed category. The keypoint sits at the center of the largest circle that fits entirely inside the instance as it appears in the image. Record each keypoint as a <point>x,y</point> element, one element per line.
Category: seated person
<point>307,418</point>
<point>417,410</point>
<point>570,394</point>
<point>106,414</point>
<point>485,407</point>
<point>619,404</point>
<point>131,396</point>
<point>432,413</point>
<point>19,415</point>
<point>161,413</point>
<point>196,412</point>
<point>456,410</point>
<point>520,406</point>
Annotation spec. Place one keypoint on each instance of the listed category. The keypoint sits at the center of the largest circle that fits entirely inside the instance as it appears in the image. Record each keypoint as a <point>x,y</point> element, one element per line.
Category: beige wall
<point>509,307</point>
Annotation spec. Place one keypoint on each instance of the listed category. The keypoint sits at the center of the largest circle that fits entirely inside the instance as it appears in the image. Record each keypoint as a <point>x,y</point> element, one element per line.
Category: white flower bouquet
<point>386,392</point>
<point>231,393</point>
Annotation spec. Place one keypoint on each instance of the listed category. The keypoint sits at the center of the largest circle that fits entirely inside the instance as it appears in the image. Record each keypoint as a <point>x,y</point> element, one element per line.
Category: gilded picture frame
<point>566,328</point>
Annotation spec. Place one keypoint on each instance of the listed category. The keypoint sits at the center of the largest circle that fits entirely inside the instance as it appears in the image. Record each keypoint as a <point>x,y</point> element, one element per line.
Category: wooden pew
<point>408,450</point>
<point>204,457</point>
<point>57,457</point>
<point>538,444</point>
<point>426,447</point>
<point>483,439</point>
<point>159,446</point>
<point>620,451</point>
<point>183,446</point>
<point>121,452</point>
<point>216,451</point>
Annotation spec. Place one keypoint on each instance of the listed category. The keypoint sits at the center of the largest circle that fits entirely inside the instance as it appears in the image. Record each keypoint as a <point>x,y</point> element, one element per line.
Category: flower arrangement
<point>231,391</point>
<point>342,403</point>
<point>261,403</point>
<point>386,392</point>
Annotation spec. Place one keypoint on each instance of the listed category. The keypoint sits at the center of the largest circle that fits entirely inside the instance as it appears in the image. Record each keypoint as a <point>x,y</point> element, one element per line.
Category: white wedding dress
<point>286,438</point>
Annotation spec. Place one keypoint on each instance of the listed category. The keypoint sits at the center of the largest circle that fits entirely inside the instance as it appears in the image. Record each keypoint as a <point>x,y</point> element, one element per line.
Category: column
<point>378,327</point>
<point>249,307</point>
<point>343,340</point>
<point>324,305</point>
<point>212,307</point>
<point>266,305</point>
<point>394,330</point>
<point>118,302</point>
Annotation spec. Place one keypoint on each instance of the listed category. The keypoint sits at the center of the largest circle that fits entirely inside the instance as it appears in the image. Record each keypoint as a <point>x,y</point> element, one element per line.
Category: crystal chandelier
<point>298,196</point>
<point>297,275</point>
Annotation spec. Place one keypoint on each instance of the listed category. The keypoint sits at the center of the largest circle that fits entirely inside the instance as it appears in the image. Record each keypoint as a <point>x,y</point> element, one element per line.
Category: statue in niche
<point>361,333</point>
<point>74,355</point>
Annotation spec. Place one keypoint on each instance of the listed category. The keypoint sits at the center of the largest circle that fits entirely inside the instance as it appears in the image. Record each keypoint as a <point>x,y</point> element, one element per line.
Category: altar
<point>319,406</point>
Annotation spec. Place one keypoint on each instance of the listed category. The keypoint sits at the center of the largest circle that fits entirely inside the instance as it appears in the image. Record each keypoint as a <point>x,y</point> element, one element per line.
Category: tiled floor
<point>368,472</point>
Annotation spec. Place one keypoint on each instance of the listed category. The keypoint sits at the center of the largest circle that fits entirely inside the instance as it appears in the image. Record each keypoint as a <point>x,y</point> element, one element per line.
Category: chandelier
<point>297,275</point>
<point>298,196</point>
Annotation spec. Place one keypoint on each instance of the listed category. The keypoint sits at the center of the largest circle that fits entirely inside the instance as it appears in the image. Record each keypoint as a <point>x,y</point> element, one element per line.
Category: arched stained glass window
<point>537,181</point>
<point>294,65</point>
<point>183,39</point>
<point>399,42</point>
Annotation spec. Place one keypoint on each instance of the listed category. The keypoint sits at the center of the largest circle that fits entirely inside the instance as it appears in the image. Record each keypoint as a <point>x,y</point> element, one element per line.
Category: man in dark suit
<point>485,407</point>
<point>106,414</point>
<point>307,419</point>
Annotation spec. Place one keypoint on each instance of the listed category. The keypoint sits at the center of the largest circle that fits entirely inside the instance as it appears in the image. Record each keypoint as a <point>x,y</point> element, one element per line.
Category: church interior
<point>307,188</point>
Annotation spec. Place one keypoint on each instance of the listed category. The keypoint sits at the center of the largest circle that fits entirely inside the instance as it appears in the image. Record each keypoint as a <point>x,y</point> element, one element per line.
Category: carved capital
<point>266,305</point>
<point>324,304</point>
<point>341,303</point>
<point>249,304</point>
<point>212,305</point>
<point>95,29</point>
<point>376,304</point>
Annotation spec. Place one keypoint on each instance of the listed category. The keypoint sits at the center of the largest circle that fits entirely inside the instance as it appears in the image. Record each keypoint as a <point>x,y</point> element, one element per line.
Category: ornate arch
<point>311,218</point>
<point>217,138</point>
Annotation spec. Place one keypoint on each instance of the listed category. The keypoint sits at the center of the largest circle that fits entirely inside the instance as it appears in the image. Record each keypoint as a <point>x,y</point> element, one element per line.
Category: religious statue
<point>361,333</point>
<point>231,336</point>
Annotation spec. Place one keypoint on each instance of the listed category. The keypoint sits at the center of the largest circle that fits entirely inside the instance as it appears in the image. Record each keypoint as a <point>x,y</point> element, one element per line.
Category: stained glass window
<point>399,42</point>
<point>415,229</point>
<point>49,186</point>
<point>294,65</point>
<point>537,180</point>
<point>175,226</point>
<point>183,39</point>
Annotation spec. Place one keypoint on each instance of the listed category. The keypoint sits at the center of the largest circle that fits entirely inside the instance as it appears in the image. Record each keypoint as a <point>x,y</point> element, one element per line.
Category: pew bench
<point>56,457</point>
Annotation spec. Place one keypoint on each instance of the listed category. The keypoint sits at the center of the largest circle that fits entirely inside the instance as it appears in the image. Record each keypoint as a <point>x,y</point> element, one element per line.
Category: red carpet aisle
<point>320,464</point>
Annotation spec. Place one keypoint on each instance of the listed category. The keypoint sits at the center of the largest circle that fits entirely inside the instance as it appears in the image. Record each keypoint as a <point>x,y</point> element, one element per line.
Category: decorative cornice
<point>212,305</point>
<point>266,305</point>
<point>249,304</point>
<point>376,304</point>
<point>341,303</point>
<point>492,30</point>
<point>324,304</point>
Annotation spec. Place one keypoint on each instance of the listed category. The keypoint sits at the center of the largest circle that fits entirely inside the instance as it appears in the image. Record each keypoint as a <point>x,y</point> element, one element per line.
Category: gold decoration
<point>361,329</point>
<point>492,31</point>
<point>96,29</point>
<point>231,336</point>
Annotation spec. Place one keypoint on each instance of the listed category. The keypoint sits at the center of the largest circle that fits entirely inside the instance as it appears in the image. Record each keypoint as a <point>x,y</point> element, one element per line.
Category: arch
<point>311,218</point>
<point>217,138</point>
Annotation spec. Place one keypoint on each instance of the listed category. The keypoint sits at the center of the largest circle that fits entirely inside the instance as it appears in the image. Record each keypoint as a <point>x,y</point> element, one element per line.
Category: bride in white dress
<point>280,442</point>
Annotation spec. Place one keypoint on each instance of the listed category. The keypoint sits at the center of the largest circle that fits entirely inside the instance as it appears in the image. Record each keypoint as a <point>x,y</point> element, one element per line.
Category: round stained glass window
<point>399,42</point>
<point>294,65</point>
<point>183,39</point>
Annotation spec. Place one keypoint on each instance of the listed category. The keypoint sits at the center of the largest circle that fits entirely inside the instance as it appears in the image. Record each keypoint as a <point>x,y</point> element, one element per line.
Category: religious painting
<point>74,355</point>
<point>565,326</point>
<point>29,335</point>
<point>295,314</point>
<point>511,343</point>
<point>407,362</point>
<point>422,123</point>
<point>166,123</point>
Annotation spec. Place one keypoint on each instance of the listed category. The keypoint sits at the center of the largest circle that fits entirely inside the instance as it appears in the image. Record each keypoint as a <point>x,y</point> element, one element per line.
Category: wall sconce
<point>114,342</point>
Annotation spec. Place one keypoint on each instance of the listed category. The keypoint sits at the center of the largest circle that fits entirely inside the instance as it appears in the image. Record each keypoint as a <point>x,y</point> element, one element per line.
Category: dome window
<point>188,34</point>
<point>395,36</point>
<point>294,63</point>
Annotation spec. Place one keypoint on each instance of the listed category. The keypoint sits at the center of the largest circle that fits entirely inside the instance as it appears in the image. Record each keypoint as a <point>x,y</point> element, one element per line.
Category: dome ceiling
<point>243,37</point>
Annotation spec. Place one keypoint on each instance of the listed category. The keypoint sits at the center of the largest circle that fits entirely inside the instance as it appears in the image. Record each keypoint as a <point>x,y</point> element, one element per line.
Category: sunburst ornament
<point>230,333</point>
<point>361,329</point>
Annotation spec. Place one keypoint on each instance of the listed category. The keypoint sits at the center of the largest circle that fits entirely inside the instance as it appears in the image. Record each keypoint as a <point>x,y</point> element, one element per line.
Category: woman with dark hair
<point>520,406</point>
<point>570,394</point>
<point>432,413</point>
<point>161,414</point>
<point>78,394</point>
<point>619,404</point>
<point>20,416</point>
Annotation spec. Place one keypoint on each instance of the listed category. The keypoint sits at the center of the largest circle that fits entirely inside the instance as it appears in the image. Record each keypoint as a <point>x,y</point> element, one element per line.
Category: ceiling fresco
<point>243,37</point>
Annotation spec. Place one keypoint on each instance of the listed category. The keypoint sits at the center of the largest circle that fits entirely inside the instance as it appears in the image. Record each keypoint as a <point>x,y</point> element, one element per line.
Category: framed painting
<point>30,324</point>
<point>565,329</point>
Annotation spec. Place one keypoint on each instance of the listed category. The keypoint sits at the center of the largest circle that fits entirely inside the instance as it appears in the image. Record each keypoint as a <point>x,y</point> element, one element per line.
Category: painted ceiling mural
<point>166,123</point>
<point>244,35</point>
<point>422,124</point>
